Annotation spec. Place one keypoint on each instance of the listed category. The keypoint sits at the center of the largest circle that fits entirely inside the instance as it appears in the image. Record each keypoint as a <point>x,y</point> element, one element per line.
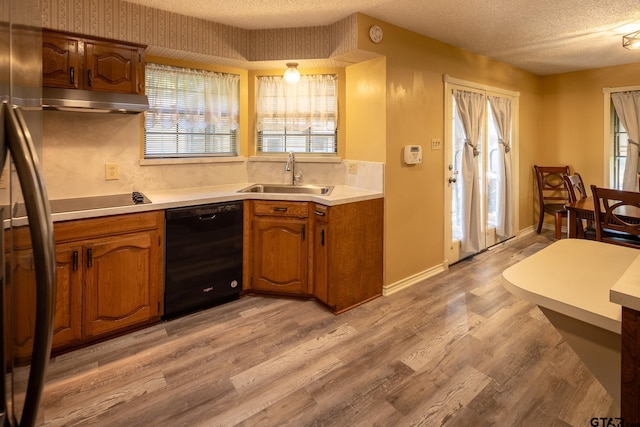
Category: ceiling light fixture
<point>291,74</point>
<point>631,40</point>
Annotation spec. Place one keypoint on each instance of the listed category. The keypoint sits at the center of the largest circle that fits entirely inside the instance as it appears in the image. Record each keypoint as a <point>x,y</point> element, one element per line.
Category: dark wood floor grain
<point>455,350</point>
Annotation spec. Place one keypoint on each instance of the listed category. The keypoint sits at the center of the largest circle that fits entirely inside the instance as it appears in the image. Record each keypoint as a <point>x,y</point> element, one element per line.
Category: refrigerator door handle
<point>36,202</point>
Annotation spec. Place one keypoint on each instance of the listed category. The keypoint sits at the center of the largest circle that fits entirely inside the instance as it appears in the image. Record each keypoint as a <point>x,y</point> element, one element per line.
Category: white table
<point>574,277</point>
<point>580,286</point>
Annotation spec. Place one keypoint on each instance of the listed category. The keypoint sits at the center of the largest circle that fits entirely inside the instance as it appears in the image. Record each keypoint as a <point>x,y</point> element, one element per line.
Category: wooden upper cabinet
<point>60,61</point>
<point>76,62</point>
<point>113,68</point>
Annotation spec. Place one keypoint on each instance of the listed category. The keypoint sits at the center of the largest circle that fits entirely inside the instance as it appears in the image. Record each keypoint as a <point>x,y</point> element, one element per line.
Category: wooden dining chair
<point>617,216</point>
<point>552,194</point>
<point>577,191</point>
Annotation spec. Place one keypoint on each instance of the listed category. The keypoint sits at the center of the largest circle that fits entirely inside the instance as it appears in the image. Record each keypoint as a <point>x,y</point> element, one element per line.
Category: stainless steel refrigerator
<point>27,305</point>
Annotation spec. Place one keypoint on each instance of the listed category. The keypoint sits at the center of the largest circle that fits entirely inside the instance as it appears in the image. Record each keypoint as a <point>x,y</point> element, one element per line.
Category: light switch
<point>436,144</point>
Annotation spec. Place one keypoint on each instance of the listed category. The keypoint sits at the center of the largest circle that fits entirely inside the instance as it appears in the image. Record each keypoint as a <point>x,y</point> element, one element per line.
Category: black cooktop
<point>87,203</point>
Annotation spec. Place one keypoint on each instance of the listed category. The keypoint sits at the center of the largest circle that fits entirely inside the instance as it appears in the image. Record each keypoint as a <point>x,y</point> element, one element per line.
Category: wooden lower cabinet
<point>347,253</point>
<point>109,277</point>
<point>118,278</point>
<point>68,319</point>
<point>279,247</point>
<point>331,253</point>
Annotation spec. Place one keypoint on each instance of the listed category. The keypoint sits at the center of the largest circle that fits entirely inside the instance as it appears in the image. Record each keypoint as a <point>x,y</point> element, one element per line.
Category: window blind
<point>192,113</point>
<point>300,117</point>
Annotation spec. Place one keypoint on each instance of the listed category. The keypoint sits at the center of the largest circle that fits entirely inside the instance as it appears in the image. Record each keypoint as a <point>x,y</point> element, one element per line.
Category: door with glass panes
<point>480,202</point>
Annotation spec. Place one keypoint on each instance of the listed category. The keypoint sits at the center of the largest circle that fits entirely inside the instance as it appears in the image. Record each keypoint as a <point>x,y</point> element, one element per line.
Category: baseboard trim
<point>411,280</point>
<point>430,272</point>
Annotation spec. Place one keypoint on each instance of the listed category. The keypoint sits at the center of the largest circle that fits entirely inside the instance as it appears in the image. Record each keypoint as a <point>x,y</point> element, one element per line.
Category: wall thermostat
<point>412,154</point>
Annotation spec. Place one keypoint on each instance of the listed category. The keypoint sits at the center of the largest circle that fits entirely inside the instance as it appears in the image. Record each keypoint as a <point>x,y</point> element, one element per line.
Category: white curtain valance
<point>312,103</point>
<point>191,99</point>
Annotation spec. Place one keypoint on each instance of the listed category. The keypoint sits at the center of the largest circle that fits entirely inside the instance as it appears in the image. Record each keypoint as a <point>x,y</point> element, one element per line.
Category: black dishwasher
<point>203,260</point>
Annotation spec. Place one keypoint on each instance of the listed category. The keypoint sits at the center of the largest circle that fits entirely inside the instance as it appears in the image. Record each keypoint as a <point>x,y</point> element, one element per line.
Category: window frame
<point>209,138</point>
<point>306,134</point>
<point>609,136</point>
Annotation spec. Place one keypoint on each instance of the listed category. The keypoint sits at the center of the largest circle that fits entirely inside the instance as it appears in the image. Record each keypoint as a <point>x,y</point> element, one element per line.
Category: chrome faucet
<point>291,166</point>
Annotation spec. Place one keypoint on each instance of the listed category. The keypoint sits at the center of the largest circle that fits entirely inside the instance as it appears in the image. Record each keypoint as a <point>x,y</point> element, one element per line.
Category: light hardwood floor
<point>456,350</point>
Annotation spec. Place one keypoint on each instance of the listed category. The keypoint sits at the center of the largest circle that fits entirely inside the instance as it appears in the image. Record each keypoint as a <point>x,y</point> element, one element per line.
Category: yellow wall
<point>414,196</point>
<point>366,110</point>
<point>573,118</point>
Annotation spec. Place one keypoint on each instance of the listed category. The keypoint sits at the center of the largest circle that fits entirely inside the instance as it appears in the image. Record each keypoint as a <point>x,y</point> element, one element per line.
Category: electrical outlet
<point>436,144</point>
<point>111,171</point>
<point>352,167</point>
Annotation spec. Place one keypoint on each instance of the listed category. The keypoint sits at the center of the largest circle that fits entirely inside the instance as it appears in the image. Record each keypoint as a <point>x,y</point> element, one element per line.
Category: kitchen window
<point>301,117</point>
<point>192,113</point>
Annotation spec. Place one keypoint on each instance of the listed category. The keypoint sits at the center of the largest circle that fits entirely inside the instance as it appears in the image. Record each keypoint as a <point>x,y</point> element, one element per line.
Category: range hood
<point>92,101</point>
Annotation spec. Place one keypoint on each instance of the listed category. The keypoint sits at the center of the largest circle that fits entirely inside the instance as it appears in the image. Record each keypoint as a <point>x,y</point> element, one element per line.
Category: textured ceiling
<point>541,36</point>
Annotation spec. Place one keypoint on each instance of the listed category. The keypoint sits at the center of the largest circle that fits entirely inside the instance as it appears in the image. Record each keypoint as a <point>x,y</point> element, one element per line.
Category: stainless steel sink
<point>288,189</point>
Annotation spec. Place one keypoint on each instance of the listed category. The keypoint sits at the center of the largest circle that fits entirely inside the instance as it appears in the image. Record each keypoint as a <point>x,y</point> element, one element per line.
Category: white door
<point>480,203</point>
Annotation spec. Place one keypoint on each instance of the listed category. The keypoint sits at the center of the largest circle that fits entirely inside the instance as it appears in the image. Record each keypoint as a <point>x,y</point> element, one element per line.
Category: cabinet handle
<point>320,213</point>
<point>89,78</point>
<point>89,258</point>
<point>75,261</point>
<point>276,209</point>
<point>322,237</point>
<point>303,232</point>
<point>72,75</point>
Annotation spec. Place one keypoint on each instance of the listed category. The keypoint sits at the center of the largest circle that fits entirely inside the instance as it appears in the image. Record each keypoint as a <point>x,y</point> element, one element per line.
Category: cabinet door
<point>60,61</point>
<point>113,68</point>
<point>321,261</point>
<point>67,324</point>
<point>279,254</point>
<point>21,300</point>
<point>354,253</point>
<point>121,282</point>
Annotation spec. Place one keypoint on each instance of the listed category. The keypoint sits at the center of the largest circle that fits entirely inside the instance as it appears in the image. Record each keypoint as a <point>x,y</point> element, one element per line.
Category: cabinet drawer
<point>321,213</point>
<point>294,209</point>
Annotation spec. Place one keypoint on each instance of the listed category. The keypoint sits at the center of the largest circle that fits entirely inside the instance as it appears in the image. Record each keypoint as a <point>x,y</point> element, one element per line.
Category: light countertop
<point>626,291</point>
<point>218,193</point>
<point>574,277</point>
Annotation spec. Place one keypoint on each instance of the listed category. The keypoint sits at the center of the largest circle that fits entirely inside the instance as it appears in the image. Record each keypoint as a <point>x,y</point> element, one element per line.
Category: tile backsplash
<point>76,147</point>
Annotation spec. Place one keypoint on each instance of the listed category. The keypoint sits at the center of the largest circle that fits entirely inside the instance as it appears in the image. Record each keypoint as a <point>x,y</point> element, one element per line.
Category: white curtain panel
<point>310,103</point>
<point>627,105</point>
<point>502,111</point>
<point>470,110</point>
<point>191,99</point>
